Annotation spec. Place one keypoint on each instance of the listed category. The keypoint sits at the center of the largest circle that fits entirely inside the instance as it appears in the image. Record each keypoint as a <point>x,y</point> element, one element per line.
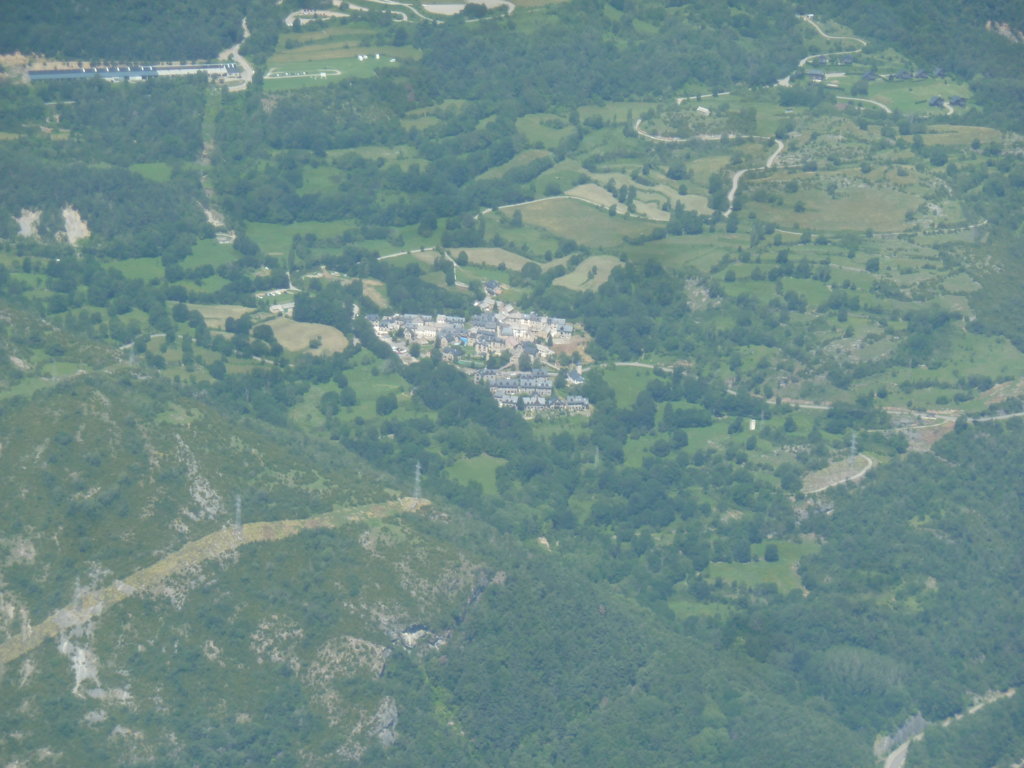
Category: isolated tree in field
<point>386,404</point>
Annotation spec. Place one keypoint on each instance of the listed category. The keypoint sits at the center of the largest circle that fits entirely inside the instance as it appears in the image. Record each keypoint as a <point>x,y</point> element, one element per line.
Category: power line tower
<point>853,447</point>
<point>416,483</point>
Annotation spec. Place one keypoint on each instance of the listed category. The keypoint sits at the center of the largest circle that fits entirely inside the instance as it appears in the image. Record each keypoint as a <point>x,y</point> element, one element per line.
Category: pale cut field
<point>216,314</point>
<point>374,291</point>
<point>961,134</point>
<point>579,279</point>
<point>295,336</point>
<point>649,199</point>
<point>493,257</point>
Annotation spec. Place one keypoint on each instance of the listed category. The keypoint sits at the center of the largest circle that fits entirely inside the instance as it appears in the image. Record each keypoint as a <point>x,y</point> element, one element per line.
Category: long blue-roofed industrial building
<point>136,72</point>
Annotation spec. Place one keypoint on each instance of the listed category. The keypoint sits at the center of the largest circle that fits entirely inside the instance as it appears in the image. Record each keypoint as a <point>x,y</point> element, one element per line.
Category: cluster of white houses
<point>503,330</point>
<point>532,391</point>
<point>484,334</point>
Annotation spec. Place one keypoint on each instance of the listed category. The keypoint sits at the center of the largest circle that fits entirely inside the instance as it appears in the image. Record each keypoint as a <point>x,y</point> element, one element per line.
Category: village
<point>509,351</point>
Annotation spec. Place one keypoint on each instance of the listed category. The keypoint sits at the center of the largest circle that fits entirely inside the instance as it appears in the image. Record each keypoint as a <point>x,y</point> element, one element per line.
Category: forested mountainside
<point>106,30</point>
<point>517,384</point>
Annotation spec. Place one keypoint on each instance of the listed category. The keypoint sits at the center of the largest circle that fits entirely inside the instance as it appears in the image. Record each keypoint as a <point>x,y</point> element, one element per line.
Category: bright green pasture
<point>853,208</point>
<point>616,111</point>
<point>586,224</point>
<point>912,96</point>
<point>545,129</point>
<point>480,468</point>
<point>781,573</point>
<point>152,171</point>
<point>628,381</point>
<point>277,238</point>
<point>522,158</point>
<point>144,269</point>
<point>369,387</point>
<point>209,252</point>
<point>320,72</point>
<point>536,239</point>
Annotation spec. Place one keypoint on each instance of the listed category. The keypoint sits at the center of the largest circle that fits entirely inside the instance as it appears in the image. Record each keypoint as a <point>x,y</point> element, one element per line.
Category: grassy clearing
<point>960,134</point>
<point>319,73</point>
<point>474,272</point>
<point>854,208</point>
<point>322,56</point>
<point>152,171</point>
<point>479,468</point>
<point>527,239</point>
<point>560,176</point>
<point>627,381</point>
<point>702,168</point>
<point>369,383</point>
<point>545,129</point>
<point>522,158</point>
<point>277,238</point>
<point>297,337</point>
<point>326,31</point>
<point>581,222</point>
<point>616,111</point>
<point>315,179</point>
<point>701,251</point>
<point>209,252</point>
<point>912,96</point>
<point>590,274</point>
<point>329,51</point>
<point>782,573</point>
<point>494,257</point>
<point>143,269</point>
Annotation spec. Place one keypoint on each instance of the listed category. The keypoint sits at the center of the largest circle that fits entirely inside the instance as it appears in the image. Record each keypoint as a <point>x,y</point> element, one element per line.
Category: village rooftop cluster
<point>499,332</point>
<point>497,329</point>
<point>532,391</point>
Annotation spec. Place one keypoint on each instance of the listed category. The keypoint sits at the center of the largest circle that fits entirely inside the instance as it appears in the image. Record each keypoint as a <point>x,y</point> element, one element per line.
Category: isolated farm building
<point>870,76</point>
<point>816,75</point>
<point>936,101</point>
<point>958,101</point>
<point>703,111</point>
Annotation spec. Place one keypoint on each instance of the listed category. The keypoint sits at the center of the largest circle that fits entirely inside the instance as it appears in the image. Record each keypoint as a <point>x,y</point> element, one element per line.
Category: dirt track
<point>232,54</point>
<point>92,604</point>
